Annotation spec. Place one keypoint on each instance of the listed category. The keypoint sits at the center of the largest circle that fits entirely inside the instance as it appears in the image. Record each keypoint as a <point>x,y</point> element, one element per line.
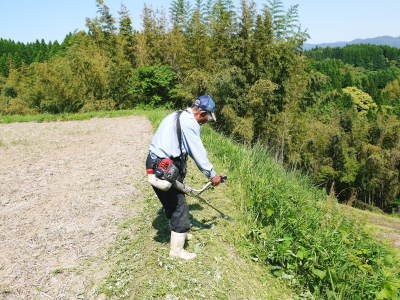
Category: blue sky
<point>326,21</point>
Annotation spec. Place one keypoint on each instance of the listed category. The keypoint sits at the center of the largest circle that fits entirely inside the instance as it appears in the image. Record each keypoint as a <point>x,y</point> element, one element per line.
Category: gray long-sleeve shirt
<point>165,141</point>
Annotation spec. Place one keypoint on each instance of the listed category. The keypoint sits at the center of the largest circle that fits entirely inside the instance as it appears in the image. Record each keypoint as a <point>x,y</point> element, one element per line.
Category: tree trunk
<point>352,198</point>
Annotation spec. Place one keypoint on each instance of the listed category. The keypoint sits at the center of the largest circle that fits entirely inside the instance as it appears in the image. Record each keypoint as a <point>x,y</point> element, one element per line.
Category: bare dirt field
<point>383,227</point>
<point>64,187</point>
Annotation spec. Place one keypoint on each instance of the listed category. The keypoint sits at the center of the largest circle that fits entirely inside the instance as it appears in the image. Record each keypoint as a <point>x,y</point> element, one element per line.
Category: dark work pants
<point>174,202</point>
<point>176,209</point>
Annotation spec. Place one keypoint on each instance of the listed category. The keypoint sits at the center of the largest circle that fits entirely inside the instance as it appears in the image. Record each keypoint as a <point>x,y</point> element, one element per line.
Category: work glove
<point>217,179</point>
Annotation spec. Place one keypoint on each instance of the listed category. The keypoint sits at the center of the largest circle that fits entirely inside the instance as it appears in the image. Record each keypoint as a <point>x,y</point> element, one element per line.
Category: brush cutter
<point>196,194</point>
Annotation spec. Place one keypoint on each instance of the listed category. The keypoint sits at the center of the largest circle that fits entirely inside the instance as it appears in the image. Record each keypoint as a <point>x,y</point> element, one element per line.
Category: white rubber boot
<point>177,243</point>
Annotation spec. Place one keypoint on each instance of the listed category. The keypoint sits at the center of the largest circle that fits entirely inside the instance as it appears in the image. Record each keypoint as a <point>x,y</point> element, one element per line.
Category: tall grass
<point>299,233</point>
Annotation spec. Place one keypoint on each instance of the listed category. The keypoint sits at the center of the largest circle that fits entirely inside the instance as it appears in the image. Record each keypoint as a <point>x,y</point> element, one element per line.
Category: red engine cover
<point>165,164</point>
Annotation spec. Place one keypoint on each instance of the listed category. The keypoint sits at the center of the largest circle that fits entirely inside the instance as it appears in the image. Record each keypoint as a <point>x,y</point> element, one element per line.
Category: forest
<point>332,113</point>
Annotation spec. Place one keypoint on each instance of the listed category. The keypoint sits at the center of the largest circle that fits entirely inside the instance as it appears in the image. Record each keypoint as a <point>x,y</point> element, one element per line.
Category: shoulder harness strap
<point>179,131</point>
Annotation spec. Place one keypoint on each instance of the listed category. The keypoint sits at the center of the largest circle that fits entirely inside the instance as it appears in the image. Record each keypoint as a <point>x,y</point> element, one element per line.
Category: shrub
<point>155,85</point>
<point>98,105</point>
<point>14,106</point>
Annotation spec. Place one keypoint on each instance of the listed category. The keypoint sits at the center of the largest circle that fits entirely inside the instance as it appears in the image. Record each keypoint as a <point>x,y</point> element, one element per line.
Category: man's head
<point>203,109</point>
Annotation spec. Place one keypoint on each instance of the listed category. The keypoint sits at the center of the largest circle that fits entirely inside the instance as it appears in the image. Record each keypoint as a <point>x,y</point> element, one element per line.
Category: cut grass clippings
<point>143,269</point>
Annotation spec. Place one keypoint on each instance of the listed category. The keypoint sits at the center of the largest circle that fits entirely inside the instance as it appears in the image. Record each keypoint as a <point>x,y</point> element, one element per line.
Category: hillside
<point>380,40</point>
<point>286,233</point>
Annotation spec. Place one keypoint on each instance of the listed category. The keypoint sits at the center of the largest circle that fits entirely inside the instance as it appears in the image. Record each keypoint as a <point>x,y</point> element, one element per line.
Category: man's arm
<point>198,152</point>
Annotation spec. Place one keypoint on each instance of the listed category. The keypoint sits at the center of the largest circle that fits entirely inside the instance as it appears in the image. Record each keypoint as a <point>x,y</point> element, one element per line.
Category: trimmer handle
<point>193,192</point>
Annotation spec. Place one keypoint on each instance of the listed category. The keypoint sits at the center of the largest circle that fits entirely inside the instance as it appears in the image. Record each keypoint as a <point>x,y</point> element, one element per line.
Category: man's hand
<point>217,179</point>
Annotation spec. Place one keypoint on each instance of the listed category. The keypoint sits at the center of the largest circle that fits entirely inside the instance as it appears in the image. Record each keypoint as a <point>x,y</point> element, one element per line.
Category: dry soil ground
<point>385,227</point>
<point>64,187</point>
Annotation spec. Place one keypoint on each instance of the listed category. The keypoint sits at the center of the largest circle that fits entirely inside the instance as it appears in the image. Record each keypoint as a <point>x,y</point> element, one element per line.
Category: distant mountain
<point>380,40</point>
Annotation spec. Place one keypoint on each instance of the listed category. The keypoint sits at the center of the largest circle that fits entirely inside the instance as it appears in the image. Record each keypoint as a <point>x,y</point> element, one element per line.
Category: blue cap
<point>206,103</point>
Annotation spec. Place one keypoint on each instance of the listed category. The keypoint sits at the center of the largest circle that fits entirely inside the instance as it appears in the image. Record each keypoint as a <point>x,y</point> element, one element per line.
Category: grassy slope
<point>293,208</point>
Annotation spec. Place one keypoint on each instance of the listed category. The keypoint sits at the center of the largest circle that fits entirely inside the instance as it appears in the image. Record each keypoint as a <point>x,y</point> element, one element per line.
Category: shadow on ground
<point>161,223</point>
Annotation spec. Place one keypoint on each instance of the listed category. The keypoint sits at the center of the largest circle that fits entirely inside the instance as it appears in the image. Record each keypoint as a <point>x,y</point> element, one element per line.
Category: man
<point>177,137</point>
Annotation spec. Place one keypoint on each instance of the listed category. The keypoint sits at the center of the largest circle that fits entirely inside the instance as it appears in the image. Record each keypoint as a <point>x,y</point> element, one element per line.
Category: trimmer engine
<point>167,170</point>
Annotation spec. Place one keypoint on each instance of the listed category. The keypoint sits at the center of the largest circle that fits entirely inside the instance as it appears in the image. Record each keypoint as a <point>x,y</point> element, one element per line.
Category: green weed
<point>5,292</point>
<point>57,271</point>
